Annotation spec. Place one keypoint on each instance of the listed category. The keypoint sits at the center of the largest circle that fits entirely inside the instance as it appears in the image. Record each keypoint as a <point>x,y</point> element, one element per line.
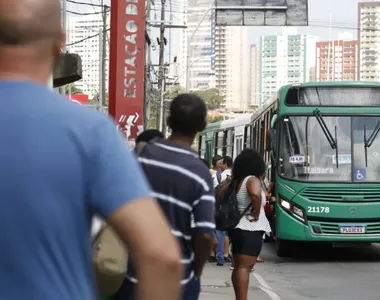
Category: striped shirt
<point>182,184</point>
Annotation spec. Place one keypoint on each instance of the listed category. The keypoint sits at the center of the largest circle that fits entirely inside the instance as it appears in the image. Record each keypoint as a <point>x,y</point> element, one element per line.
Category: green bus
<point>321,144</point>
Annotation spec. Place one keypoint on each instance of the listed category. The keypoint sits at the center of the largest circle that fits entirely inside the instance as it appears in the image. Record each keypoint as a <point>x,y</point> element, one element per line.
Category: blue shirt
<point>60,164</point>
<point>182,184</point>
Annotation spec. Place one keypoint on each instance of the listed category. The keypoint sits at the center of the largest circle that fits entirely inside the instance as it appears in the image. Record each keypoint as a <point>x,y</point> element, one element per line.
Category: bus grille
<point>331,228</point>
<point>330,194</point>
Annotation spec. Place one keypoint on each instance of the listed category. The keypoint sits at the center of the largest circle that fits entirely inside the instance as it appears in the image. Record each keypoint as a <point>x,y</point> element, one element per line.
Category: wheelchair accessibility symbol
<point>360,174</point>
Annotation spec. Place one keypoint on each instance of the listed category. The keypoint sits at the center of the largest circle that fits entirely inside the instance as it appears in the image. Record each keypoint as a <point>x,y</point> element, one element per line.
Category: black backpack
<point>227,214</point>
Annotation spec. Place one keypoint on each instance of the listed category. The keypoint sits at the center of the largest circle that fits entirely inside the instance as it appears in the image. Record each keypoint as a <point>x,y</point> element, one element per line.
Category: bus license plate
<point>352,229</point>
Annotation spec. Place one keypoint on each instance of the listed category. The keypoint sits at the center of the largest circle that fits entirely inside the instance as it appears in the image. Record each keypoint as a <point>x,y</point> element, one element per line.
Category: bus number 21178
<point>318,209</point>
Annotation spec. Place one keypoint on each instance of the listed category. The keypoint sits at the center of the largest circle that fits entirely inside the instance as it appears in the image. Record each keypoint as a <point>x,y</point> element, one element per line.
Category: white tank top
<point>244,199</point>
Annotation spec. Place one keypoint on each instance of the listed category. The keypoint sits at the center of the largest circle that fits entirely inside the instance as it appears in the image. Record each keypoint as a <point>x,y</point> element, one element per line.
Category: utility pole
<point>101,70</point>
<point>161,73</point>
<point>103,58</point>
<point>64,12</point>
<point>64,26</point>
<point>147,98</point>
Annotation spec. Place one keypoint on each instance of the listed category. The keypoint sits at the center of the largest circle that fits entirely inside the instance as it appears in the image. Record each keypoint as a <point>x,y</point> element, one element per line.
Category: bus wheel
<point>283,248</point>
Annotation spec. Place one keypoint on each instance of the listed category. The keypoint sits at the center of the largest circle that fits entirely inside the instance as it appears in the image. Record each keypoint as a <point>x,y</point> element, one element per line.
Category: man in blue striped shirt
<point>183,186</point>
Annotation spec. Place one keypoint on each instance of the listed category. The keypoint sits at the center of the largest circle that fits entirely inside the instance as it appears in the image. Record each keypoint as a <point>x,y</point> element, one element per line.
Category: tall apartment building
<point>88,49</point>
<point>198,41</point>
<point>219,56</point>
<point>254,77</point>
<point>369,41</point>
<point>284,59</point>
<point>232,67</point>
<point>337,60</point>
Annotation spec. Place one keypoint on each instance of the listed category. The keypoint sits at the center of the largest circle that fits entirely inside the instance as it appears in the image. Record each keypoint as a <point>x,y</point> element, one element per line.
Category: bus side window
<point>219,143</point>
<point>202,146</point>
<point>239,145</point>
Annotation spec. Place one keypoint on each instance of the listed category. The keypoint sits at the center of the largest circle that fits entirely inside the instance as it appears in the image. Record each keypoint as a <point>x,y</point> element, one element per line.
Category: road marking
<point>262,281</point>
<point>264,286</point>
<point>270,293</point>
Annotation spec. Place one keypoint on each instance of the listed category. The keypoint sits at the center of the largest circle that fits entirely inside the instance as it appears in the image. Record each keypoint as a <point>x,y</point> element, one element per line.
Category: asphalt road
<point>314,273</point>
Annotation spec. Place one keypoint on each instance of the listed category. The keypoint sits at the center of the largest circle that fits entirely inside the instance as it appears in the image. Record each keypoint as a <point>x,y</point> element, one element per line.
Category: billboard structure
<point>261,12</point>
<point>126,70</point>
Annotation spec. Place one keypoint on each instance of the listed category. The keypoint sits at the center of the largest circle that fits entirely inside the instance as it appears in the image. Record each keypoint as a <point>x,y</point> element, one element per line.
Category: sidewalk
<point>217,285</point>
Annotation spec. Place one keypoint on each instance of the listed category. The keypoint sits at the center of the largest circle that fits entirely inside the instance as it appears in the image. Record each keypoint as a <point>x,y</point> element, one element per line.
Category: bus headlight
<point>286,204</point>
<point>293,210</point>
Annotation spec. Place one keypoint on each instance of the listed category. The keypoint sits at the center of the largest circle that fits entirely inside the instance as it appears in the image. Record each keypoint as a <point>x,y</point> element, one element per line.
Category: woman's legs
<point>246,246</point>
<point>243,265</point>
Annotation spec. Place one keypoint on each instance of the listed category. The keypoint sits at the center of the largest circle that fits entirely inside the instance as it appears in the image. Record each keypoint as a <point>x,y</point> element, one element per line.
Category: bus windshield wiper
<point>333,142</point>
<point>368,142</point>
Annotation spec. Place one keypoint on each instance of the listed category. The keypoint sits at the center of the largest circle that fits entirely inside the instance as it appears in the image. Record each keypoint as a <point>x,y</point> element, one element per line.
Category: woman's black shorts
<point>246,242</point>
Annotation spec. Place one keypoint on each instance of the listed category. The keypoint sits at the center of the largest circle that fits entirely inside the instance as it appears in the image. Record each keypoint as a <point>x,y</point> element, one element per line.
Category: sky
<point>343,19</point>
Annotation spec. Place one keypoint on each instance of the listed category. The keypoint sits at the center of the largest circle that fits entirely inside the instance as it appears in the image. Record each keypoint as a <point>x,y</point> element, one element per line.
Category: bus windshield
<point>306,152</point>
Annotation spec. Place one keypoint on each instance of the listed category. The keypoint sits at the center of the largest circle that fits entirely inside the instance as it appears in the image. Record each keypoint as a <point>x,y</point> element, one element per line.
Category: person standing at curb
<point>182,184</point>
<point>222,253</point>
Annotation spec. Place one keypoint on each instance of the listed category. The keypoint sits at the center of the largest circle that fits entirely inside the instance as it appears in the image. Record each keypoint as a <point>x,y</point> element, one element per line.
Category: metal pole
<point>64,26</point>
<point>147,99</point>
<point>101,70</point>
<point>162,109</point>
<point>104,55</point>
<point>189,47</point>
<point>161,66</point>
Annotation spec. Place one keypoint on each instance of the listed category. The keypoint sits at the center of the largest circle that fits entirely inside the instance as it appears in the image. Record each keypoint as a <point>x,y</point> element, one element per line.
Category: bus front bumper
<point>289,228</point>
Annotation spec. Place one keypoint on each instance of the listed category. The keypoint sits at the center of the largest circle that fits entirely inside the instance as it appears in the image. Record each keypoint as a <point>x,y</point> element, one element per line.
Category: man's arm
<point>119,192</point>
<point>204,225</point>
<point>155,252</point>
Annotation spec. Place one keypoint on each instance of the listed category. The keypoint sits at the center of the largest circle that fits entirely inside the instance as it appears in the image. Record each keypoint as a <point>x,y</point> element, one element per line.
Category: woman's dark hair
<point>206,162</point>
<point>248,163</point>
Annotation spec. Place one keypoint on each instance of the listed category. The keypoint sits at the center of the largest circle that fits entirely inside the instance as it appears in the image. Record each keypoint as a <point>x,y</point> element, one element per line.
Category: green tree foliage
<point>74,89</point>
<point>211,119</point>
<point>173,91</point>
<point>95,100</point>
<point>212,97</point>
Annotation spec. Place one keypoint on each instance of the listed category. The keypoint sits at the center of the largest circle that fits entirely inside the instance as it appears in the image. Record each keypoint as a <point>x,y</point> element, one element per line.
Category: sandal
<point>259,259</point>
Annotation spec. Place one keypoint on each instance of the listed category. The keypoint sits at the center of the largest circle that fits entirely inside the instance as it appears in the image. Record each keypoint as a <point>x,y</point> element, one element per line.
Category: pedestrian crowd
<point>77,204</point>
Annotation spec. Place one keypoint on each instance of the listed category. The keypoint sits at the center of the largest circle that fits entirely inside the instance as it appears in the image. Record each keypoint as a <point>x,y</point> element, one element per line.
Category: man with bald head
<point>61,164</point>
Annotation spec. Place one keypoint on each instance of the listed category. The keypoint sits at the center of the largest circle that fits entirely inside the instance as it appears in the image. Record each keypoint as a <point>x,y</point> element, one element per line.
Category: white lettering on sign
<point>297,159</point>
<point>318,170</point>
<point>318,209</point>
<point>131,50</point>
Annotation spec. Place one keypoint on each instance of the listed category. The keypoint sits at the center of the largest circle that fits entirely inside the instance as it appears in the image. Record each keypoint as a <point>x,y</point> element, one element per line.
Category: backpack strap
<point>246,210</point>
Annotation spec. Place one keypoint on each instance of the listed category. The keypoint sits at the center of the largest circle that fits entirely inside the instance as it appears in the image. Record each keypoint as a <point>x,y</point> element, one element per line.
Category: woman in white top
<point>247,237</point>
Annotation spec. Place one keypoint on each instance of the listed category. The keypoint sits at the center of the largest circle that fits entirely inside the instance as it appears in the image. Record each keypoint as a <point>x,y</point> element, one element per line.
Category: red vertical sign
<point>126,70</point>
